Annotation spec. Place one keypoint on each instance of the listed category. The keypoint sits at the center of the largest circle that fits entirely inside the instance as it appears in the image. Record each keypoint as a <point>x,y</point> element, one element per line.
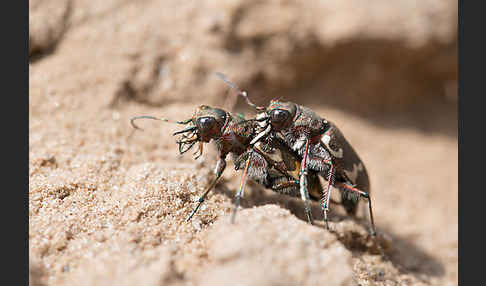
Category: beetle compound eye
<point>279,116</point>
<point>205,123</point>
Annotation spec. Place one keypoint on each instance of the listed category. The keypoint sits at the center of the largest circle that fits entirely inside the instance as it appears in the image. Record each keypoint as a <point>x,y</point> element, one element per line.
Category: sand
<point>107,204</point>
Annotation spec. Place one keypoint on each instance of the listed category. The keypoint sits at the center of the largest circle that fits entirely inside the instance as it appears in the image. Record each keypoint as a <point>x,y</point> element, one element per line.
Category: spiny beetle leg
<point>220,166</point>
<point>365,195</point>
<point>283,185</point>
<point>304,192</point>
<point>327,194</point>
<point>296,183</point>
<point>202,198</point>
<point>239,194</point>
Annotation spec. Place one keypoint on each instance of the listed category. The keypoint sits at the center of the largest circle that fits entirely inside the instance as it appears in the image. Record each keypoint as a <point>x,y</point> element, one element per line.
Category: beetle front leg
<point>304,192</point>
<point>218,171</point>
<point>239,194</point>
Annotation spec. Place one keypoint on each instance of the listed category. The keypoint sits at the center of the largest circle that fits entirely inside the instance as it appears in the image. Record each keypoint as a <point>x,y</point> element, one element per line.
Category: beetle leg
<point>239,159</point>
<point>294,184</point>
<point>218,171</point>
<point>365,195</point>
<point>304,193</point>
<point>327,194</point>
<point>261,135</point>
<point>239,194</point>
<point>199,151</point>
<point>284,185</point>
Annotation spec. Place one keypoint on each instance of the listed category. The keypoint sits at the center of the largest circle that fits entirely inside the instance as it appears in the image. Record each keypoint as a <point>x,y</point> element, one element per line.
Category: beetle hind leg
<point>349,190</point>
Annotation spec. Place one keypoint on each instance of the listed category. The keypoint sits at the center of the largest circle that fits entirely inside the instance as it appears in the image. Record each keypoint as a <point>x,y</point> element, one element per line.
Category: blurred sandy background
<point>107,208</point>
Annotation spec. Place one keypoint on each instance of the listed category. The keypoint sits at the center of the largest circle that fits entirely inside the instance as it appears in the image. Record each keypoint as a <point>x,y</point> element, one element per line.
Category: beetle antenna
<point>132,121</point>
<point>239,91</point>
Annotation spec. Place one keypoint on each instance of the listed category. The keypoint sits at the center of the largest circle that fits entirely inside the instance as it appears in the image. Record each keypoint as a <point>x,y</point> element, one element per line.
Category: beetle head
<point>281,114</point>
<point>207,123</point>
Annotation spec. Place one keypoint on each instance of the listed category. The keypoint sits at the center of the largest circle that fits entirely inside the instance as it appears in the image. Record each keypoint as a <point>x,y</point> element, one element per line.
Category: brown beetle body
<point>322,148</point>
<point>327,142</point>
<point>277,167</point>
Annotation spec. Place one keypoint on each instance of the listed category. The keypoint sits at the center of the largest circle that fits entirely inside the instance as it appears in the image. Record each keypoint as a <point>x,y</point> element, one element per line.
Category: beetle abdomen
<point>349,167</point>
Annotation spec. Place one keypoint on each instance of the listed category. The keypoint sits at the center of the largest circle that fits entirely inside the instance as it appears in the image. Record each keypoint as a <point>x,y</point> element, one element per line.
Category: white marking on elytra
<point>354,174</point>
<point>326,139</point>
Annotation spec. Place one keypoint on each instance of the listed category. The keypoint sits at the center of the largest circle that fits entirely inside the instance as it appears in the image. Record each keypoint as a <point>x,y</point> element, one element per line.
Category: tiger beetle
<point>321,147</point>
<point>269,162</point>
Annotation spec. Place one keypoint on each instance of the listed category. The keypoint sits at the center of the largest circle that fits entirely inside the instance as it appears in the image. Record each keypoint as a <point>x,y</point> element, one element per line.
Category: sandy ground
<point>107,204</point>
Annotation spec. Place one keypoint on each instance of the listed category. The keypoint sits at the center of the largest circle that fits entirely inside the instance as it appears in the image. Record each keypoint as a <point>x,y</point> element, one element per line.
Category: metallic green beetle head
<point>207,123</point>
<point>280,114</point>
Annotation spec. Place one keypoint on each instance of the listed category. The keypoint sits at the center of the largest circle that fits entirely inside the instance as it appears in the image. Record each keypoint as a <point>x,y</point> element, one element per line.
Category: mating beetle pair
<point>269,162</point>
<point>285,148</point>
